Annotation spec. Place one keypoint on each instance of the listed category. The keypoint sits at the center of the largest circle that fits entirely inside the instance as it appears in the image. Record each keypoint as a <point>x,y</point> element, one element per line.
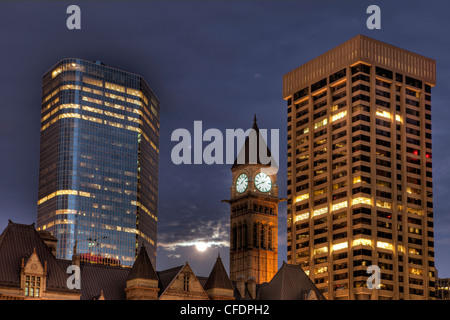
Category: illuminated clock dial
<point>241,183</point>
<point>263,182</point>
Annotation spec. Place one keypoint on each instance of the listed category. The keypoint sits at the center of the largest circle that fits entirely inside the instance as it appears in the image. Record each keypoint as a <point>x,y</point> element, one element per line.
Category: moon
<point>201,246</point>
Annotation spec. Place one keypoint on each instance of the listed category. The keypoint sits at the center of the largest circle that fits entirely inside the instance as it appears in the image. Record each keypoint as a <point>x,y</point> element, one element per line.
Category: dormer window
<point>33,277</point>
<point>32,286</point>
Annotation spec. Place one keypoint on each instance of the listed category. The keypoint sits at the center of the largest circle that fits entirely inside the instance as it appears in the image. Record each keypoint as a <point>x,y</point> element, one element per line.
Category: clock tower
<point>254,213</point>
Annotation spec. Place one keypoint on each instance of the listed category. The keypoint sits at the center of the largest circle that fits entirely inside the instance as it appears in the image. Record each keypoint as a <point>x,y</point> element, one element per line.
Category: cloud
<point>212,233</point>
<point>172,246</point>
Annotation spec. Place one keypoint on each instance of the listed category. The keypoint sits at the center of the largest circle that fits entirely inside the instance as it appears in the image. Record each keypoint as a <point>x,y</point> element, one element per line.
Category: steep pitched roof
<point>166,276</point>
<point>142,267</point>
<point>18,241</point>
<point>247,151</point>
<point>289,283</point>
<point>95,278</point>
<point>247,295</point>
<point>218,278</point>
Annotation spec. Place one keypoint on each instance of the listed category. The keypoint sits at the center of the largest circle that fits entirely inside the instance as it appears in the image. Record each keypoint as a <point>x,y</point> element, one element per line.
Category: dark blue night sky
<point>215,61</point>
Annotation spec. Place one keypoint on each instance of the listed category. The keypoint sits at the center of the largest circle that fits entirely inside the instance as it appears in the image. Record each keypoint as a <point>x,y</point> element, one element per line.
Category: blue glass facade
<point>98,177</point>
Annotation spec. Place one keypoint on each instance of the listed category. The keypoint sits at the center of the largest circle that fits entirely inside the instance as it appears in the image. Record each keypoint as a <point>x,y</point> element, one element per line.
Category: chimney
<point>49,240</point>
<point>252,287</point>
<point>240,284</point>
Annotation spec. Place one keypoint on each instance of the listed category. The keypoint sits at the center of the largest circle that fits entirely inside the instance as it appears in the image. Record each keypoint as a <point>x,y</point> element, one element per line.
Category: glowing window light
<point>302,216</point>
<point>135,92</point>
<point>320,270</point>
<point>63,192</point>
<point>383,113</point>
<point>306,130</point>
<point>51,104</point>
<point>134,129</point>
<point>416,271</point>
<point>93,82</point>
<point>69,115</point>
<point>339,115</point>
<point>320,250</point>
<point>398,118</point>
<point>115,87</point>
<point>307,272</point>
<point>302,197</point>
<point>91,109</point>
<point>340,205</point>
<point>113,124</point>
<point>383,204</point>
<point>96,101</point>
<point>66,211</point>
<point>400,249</point>
<point>320,123</point>
<point>320,211</point>
<point>385,245</point>
<point>340,246</point>
<point>362,200</point>
<point>70,87</point>
<point>414,211</point>
<point>69,106</point>
<point>414,251</point>
<point>93,119</point>
<point>135,120</point>
<point>140,205</point>
<point>56,72</point>
<point>84,194</point>
<point>357,179</point>
<point>50,95</point>
<point>361,241</point>
<point>137,102</point>
<point>66,192</point>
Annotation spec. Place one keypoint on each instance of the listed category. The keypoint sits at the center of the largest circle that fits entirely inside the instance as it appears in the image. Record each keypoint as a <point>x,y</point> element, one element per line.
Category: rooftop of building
<point>19,241</point>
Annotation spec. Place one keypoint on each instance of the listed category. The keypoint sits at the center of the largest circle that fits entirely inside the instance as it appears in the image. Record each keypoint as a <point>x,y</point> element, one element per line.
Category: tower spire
<point>254,122</point>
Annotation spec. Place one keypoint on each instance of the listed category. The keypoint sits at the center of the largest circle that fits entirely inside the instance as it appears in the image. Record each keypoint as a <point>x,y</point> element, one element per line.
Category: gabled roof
<point>169,276</point>
<point>17,242</point>
<point>142,267</point>
<point>218,278</point>
<point>166,276</point>
<point>246,150</point>
<point>289,283</point>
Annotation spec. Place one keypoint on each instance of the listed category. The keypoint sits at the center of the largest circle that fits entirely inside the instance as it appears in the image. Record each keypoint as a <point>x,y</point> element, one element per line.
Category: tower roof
<point>218,278</point>
<point>289,283</point>
<point>247,151</point>
<point>19,241</point>
<point>142,267</point>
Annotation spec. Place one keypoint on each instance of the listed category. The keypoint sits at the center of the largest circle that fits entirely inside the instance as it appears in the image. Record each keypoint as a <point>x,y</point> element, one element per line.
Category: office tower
<point>98,177</point>
<point>360,170</point>
<point>254,214</point>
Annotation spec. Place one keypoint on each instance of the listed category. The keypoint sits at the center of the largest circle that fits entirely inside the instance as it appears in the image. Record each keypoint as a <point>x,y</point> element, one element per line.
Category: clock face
<point>263,182</point>
<point>241,183</point>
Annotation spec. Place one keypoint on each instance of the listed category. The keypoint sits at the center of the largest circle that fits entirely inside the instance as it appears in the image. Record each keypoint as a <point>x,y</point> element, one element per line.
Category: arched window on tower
<point>262,238</point>
<point>234,238</point>
<point>244,234</point>
<point>239,236</point>
<point>255,234</point>
<point>269,238</point>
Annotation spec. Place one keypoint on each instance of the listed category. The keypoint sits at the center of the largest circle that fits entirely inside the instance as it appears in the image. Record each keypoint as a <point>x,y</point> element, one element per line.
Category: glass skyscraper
<point>98,175</point>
